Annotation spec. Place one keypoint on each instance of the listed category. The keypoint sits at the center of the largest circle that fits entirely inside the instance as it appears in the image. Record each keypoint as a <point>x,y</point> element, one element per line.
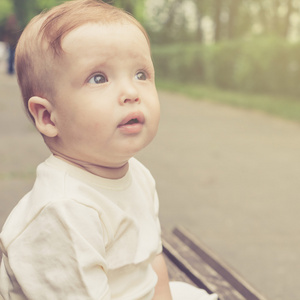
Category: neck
<point>115,172</point>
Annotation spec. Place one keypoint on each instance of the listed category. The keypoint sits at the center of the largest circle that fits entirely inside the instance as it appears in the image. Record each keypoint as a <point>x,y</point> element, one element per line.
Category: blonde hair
<point>40,43</point>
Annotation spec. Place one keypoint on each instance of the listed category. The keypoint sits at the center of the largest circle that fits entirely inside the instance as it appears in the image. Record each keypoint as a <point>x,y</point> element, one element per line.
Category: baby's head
<point>39,49</point>
<point>87,79</point>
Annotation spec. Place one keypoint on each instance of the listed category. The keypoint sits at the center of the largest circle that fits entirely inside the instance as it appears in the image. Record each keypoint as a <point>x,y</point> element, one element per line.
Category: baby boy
<point>89,227</point>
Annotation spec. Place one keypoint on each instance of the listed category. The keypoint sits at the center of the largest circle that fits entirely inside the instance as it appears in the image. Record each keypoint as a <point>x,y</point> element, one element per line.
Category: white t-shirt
<point>79,236</point>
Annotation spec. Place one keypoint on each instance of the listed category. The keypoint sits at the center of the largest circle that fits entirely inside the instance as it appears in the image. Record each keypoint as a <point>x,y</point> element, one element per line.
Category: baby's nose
<point>129,94</point>
<point>128,100</point>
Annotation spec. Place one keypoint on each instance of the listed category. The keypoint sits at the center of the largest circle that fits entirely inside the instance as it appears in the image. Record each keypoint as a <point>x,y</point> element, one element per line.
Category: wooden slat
<point>175,274</point>
<point>226,273</point>
<point>197,269</point>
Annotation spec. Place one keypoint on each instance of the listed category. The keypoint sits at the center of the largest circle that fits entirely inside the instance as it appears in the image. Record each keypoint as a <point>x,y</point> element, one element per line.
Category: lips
<point>132,123</point>
<point>133,118</point>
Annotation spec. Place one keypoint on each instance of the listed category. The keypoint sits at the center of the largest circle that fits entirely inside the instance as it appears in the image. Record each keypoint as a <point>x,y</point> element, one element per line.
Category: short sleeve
<point>61,254</point>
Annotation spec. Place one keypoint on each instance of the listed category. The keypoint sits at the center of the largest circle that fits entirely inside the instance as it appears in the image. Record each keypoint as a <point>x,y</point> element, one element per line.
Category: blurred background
<point>226,158</point>
<point>244,45</point>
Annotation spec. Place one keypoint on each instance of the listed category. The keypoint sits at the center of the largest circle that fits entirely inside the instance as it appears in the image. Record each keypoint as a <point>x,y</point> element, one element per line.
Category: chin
<point>129,153</point>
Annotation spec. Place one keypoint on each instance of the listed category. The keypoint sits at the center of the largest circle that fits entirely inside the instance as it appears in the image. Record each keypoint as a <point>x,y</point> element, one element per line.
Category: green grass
<point>284,107</point>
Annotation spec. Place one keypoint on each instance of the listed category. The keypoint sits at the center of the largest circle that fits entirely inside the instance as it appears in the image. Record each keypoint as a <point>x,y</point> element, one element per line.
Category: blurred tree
<point>127,5</point>
<point>45,4</point>
<point>217,18</point>
<point>275,16</point>
<point>287,18</point>
<point>23,10</point>
<point>199,4</point>
<point>230,19</point>
<point>169,21</point>
<point>233,15</point>
<point>233,19</point>
<point>134,7</point>
<point>27,9</point>
<point>6,9</point>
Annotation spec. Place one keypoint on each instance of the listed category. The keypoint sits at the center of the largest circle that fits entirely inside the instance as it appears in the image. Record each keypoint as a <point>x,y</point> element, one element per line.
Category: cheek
<point>155,110</point>
<point>96,124</point>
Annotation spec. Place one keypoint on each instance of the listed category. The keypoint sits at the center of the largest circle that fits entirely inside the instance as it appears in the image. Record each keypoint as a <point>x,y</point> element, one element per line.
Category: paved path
<point>230,176</point>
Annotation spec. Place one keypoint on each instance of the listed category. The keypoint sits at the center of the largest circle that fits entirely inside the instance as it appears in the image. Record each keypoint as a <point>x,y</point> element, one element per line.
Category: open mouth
<point>132,121</point>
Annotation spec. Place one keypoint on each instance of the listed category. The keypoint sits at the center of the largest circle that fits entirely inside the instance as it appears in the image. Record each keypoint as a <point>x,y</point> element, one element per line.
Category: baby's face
<point>107,107</point>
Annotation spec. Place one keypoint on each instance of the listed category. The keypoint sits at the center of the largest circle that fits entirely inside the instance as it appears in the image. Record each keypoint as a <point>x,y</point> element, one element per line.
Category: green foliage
<point>46,4</point>
<point>6,9</point>
<point>260,65</point>
<point>23,11</point>
<point>180,63</point>
<point>221,63</point>
<point>282,106</point>
<point>26,10</point>
<point>134,7</point>
<point>174,20</point>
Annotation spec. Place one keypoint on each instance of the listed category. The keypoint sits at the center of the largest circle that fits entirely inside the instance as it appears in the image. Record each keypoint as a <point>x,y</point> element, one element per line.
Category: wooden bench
<point>191,261</point>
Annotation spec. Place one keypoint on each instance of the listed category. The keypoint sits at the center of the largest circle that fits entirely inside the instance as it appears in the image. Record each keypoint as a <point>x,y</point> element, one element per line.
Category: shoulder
<point>136,167</point>
<point>57,223</point>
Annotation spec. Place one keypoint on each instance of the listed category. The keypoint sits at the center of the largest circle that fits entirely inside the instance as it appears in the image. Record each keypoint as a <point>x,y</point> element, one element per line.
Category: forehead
<point>105,37</point>
<point>95,47</point>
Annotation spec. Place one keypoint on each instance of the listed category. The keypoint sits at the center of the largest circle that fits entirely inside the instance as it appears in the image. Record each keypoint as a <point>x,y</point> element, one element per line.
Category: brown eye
<point>140,76</point>
<point>98,79</point>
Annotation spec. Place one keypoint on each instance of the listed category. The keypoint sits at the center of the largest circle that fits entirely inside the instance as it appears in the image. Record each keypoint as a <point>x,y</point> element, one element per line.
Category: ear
<point>42,111</point>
